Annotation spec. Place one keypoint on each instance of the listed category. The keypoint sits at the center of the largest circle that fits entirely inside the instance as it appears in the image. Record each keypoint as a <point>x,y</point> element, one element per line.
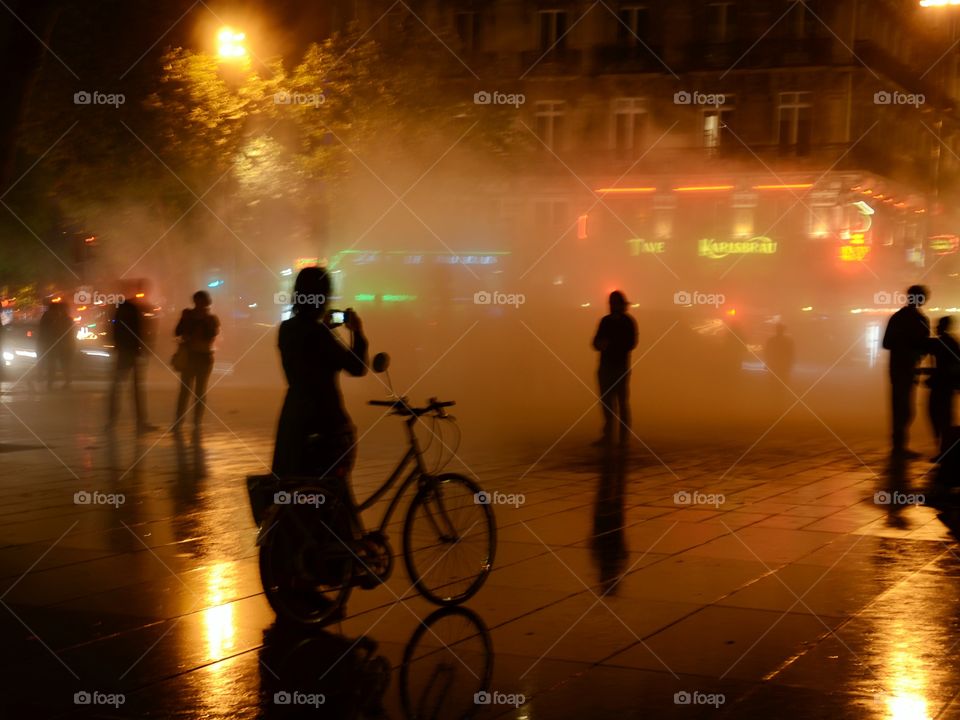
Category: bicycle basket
<point>267,490</point>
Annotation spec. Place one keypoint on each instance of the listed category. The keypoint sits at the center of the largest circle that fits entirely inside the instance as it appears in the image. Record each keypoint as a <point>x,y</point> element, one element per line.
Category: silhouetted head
<point>201,299</point>
<point>618,303</point>
<point>917,295</point>
<point>780,329</point>
<point>944,324</point>
<point>310,291</point>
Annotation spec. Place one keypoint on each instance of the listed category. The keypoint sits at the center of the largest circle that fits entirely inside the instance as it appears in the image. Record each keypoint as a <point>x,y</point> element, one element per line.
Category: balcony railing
<point>715,56</point>
<point>800,51</point>
<point>625,59</point>
<point>769,52</point>
<point>557,61</point>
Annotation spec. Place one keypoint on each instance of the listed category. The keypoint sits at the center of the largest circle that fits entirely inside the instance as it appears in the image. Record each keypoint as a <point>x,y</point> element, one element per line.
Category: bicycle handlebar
<point>401,407</point>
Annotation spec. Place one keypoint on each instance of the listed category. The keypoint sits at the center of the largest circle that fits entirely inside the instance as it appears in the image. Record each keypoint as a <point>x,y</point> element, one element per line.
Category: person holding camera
<point>315,435</point>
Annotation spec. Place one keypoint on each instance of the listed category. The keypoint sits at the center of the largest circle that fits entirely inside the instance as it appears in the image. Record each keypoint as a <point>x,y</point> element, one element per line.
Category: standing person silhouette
<point>907,338</point>
<point>615,338</point>
<point>943,382</point>
<point>315,435</point>
<point>197,329</point>
<point>779,356</point>
<point>48,333</point>
<point>65,348</point>
<point>128,346</point>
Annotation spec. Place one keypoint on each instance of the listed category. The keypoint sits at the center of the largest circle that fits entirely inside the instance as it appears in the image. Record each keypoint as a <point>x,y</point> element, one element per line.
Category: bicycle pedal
<point>368,581</point>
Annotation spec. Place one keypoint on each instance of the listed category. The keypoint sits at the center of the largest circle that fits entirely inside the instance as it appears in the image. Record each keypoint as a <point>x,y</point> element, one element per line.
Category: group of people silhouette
<point>131,337</point>
<point>312,358</point>
<point>907,338</point>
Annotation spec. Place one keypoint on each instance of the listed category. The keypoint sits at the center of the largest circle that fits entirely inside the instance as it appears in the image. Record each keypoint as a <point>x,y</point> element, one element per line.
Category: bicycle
<point>446,664</point>
<point>314,549</point>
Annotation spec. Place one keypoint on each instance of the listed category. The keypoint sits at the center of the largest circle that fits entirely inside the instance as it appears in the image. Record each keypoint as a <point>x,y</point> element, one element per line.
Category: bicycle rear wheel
<point>446,664</point>
<point>449,540</point>
<point>305,569</point>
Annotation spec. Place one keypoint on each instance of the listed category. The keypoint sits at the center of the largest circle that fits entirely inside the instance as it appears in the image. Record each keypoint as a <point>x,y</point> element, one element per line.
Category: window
<point>633,21</point>
<point>794,116</point>
<point>549,116</point>
<point>823,220</point>
<point>664,207</point>
<point>468,30</point>
<point>629,124</point>
<point>718,135</point>
<point>721,21</point>
<point>553,29</point>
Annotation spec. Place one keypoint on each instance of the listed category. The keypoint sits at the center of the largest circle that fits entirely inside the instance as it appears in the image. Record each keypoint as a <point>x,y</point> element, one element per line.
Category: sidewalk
<point>763,584</point>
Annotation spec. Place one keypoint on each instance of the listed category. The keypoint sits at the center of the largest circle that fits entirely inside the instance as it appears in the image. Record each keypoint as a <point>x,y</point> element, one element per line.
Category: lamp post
<point>933,202</point>
<point>233,55</point>
<point>231,45</point>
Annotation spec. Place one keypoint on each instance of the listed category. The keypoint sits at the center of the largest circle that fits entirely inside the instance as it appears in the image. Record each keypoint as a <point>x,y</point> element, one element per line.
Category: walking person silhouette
<point>615,338</point>
<point>128,347</point>
<point>197,329</point>
<point>55,343</point>
<point>907,338</point>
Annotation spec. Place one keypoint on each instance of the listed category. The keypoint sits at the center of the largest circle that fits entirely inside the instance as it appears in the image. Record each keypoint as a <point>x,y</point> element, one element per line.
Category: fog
<point>521,368</point>
<point>485,281</point>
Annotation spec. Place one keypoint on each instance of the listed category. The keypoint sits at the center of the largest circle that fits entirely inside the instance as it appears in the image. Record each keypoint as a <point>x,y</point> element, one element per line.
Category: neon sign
<point>716,249</point>
<point>854,253</point>
<point>944,244</point>
<point>639,246</point>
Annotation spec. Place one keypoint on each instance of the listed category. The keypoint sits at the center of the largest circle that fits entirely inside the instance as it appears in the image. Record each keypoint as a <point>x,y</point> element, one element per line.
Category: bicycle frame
<point>414,455</point>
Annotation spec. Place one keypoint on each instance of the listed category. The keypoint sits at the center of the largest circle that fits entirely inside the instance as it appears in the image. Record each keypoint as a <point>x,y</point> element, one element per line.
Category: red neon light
<point>626,190</point>
<point>784,186</point>
<point>703,188</point>
<point>582,227</point>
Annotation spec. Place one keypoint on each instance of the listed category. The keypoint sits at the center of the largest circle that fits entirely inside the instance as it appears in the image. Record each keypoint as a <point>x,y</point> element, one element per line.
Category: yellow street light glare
<point>230,44</point>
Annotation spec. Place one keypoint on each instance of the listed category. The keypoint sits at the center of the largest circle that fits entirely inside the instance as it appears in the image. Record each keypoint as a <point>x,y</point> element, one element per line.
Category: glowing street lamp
<point>230,44</point>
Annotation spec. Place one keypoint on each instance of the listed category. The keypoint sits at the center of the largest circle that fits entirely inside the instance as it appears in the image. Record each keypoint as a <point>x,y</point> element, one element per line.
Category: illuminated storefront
<point>827,242</point>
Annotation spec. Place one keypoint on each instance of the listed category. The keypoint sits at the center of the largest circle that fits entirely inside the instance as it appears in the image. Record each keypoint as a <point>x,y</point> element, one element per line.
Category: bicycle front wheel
<point>449,539</point>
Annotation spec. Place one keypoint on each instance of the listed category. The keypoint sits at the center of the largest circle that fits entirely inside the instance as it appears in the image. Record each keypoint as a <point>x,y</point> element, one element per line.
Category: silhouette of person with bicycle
<point>616,337</point>
<point>315,435</point>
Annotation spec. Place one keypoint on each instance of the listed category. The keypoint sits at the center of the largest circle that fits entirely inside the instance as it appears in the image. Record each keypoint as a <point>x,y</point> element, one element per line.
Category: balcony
<point>790,52</point>
<point>715,55</point>
<point>558,61</point>
<point>769,52</point>
<point>470,62</point>
<point>625,60</point>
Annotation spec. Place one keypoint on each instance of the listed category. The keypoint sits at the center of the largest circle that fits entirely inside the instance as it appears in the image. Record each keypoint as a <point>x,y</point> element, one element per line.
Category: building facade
<point>765,150</point>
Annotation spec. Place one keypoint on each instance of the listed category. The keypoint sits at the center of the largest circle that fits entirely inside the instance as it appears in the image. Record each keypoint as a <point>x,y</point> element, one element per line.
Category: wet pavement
<point>731,579</point>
